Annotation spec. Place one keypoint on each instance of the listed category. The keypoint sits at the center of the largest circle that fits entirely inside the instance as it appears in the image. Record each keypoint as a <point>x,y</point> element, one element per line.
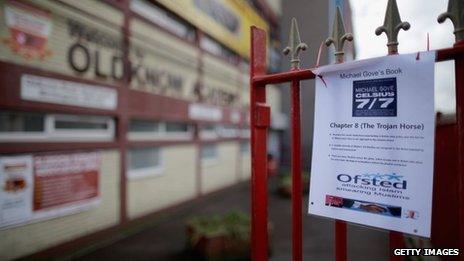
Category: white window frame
<point>161,134</point>
<point>50,134</point>
<point>148,172</point>
<point>80,134</point>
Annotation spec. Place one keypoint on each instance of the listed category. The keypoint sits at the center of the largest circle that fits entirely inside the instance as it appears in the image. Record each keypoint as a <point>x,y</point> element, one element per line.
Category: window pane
<point>217,48</point>
<point>244,147</point>
<point>208,127</point>
<point>142,158</point>
<point>143,126</point>
<point>209,152</point>
<point>163,18</point>
<point>176,127</point>
<point>80,124</point>
<point>228,131</point>
<point>21,122</point>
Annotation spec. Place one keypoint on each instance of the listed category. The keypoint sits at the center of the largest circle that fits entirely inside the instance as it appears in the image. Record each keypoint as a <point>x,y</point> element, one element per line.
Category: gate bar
<point>259,121</point>
<point>305,74</point>
<point>338,39</point>
<point>295,46</point>
<point>456,15</point>
<point>459,72</point>
<point>297,213</point>
<point>445,54</point>
<point>391,27</point>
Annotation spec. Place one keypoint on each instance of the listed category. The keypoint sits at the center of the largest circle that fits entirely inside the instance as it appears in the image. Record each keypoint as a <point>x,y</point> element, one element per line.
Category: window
<point>209,44</point>
<point>209,154</point>
<point>228,131</point>
<point>176,127</point>
<point>156,130</point>
<point>208,132</point>
<point>245,147</point>
<point>144,162</point>
<point>77,127</point>
<point>163,19</point>
<point>144,126</point>
<point>214,131</point>
<point>17,122</point>
<point>23,126</point>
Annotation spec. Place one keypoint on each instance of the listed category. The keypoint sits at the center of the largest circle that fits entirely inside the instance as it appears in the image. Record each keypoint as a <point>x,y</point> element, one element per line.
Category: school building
<point>112,110</point>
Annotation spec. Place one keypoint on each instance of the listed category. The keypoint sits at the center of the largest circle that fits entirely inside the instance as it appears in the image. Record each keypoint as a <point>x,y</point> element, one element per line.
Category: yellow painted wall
<point>175,184</point>
<point>223,172</point>
<point>245,166</point>
<point>27,239</point>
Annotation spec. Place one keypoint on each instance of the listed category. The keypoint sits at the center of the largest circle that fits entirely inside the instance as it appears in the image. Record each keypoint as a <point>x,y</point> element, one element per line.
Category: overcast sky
<point>422,15</point>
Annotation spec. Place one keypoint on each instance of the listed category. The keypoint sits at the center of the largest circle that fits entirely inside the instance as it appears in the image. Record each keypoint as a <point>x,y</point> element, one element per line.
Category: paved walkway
<point>165,238</point>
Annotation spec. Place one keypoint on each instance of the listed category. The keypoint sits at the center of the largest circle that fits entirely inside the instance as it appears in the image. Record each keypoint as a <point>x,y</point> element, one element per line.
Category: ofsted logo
<point>378,180</point>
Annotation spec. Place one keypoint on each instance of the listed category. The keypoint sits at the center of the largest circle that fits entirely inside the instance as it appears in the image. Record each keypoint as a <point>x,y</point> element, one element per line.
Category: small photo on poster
<point>363,206</point>
<point>375,98</point>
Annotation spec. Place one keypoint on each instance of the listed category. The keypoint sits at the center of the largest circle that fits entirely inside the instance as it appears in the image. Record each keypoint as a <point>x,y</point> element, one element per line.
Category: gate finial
<point>456,14</point>
<point>338,36</point>
<point>294,45</point>
<point>391,26</point>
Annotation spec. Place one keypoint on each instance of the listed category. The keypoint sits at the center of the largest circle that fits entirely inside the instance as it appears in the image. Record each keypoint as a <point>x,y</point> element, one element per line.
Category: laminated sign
<point>373,149</point>
<point>44,186</point>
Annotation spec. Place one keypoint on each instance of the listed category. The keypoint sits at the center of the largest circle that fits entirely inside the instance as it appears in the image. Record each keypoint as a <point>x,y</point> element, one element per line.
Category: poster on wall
<point>16,189</point>
<point>374,128</point>
<point>29,28</point>
<point>46,186</point>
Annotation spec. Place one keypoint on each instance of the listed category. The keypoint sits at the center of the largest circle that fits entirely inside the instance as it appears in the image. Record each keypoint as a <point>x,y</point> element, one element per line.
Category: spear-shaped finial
<point>338,36</point>
<point>294,45</point>
<point>391,26</point>
<point>456,14</point>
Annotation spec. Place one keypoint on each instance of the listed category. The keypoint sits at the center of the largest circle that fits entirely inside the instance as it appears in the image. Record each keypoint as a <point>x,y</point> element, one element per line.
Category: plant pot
<point>223,238</point>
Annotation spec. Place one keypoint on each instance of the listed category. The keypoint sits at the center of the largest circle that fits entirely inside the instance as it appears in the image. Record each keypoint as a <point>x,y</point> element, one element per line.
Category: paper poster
<point>65,183</point>
<point>29,28</point>
<point>16,189</point>
<point>45,186</point>
<point>373,149</point>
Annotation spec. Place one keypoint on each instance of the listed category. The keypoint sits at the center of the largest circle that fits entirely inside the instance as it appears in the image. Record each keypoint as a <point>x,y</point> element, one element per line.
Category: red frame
<point>259,116</point>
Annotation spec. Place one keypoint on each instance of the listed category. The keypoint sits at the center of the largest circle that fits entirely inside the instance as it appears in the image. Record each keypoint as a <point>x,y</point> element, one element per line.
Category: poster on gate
<point>38,187</point>
<point>373,145</point>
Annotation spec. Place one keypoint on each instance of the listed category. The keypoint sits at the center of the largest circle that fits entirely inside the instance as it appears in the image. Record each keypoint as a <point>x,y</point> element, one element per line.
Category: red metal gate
<point>260,121</point>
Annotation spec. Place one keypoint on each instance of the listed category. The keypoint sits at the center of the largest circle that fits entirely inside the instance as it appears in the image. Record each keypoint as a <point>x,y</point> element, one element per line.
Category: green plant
<point>205,226</point>
<point>221,237</point>
<point>286,178</point>
<point>238,225</point>
<point>285,183</point>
